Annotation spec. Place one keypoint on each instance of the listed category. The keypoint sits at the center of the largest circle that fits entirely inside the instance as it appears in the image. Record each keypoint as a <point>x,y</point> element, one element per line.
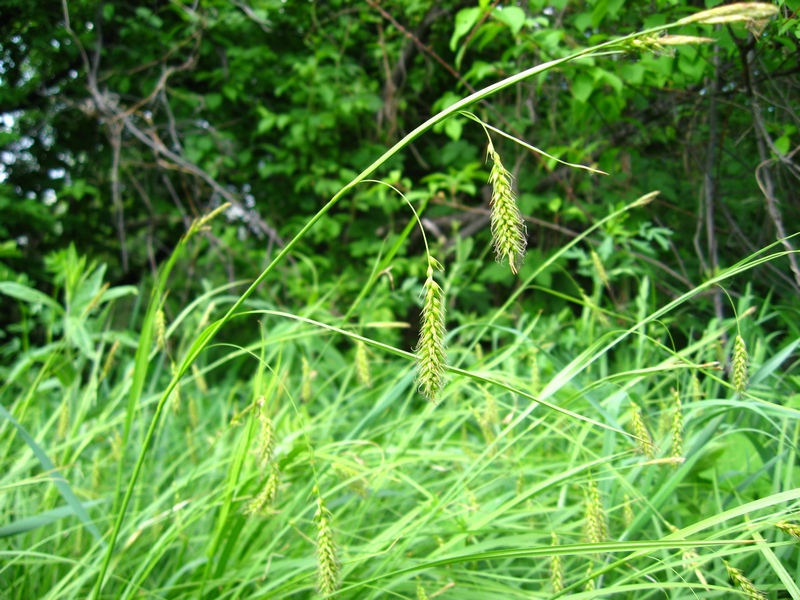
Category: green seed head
<point>508,229</point>
<point>732,13</point>
<point>596,528</point>
<point>643,439</point>
<point>747,586</point>
<point>789,528</point>
<point>676,450</point>
<point>160,327</point>
<point>739,367</point>
<point>261,505</point>
<point>328,567</point>
<point>363,373</point>
<point>430,349</point>
<point>556,569</point>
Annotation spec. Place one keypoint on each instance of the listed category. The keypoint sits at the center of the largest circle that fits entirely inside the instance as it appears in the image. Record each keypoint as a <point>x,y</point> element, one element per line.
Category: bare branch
<point>108,106</point>
<point>763,173</point>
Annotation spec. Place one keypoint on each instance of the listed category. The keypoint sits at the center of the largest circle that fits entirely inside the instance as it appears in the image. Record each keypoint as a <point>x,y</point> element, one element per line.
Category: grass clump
<point>457,498</point>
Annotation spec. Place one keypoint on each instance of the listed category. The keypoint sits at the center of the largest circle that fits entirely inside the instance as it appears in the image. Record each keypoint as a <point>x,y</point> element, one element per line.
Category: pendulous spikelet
<point>731,13</point>
<point>308,375</point>
<point>691,560</point>
<point>696,387</point>
<point>676,450</point>
<point>590,585</point>
<point>176,392</point>
<point>206,317</point>
<point>96,474</point>
<point>421,593</point>
<point>600,269</point>
<point>535,373</point>
<point>596,528</point>
<point>160,329</point>
<point>747,586</point>
<point>63,421</point>
<point>109,360</point>
<point>430,349</point>
<point>627,512</point>
<point>643,439</point>
<point>266,439</point>
<point>357,482</point>
<point>194,412</point>
<point>556,569</point>
<point>363,373</point>
<point>739,367</point>
<point>199,380</point>
<point>486,430</point>
<point>116,446</point>
<point>508,229</point>
<point>489,418</point>
<point>490,414</point>
<point>327,561</point>
<point>789,528</point>
<point>261,504</point>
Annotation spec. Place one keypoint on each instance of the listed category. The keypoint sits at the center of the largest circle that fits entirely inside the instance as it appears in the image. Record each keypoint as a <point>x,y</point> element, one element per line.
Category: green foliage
<point>283,107</point>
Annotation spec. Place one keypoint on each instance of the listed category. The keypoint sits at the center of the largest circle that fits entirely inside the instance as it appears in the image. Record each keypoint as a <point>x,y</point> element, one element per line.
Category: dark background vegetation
<point>119,132</point>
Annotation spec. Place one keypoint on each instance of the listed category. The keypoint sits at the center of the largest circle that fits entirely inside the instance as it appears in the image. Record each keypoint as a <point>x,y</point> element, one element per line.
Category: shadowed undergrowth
<point>463,499</point>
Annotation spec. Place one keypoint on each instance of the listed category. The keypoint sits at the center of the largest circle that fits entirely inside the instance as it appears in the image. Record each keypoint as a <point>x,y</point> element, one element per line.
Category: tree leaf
<point>465,20</point>
<point>582,87</point>
<point>213,101</point>
<point>453,128</point>
<point>513,16</point>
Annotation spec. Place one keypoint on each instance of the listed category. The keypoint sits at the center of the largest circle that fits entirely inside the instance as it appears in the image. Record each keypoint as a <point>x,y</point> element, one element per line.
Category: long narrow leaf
<point>60,482</point>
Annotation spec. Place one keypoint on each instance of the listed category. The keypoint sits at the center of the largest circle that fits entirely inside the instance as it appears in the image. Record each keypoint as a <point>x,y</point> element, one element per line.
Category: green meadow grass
<point>459,499</point>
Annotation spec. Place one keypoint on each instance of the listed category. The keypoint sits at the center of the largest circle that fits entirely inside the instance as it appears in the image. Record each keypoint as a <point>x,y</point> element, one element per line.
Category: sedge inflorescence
<point>430,350</point>
<point>328,568</point>
<point>508,229</point>
<point>739,366</point>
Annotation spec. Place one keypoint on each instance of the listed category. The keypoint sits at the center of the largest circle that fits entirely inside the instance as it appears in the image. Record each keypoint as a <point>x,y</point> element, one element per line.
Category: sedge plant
<point>541,492</point>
